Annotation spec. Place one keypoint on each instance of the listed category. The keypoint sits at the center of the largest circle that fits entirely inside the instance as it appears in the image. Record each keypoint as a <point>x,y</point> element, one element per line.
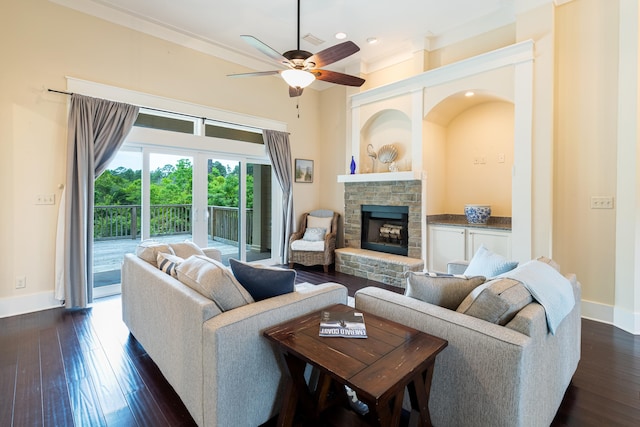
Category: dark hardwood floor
<point>82,368</point>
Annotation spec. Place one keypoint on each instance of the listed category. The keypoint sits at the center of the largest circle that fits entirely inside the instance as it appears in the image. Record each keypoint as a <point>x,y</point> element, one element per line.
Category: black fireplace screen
<point>385,229</point>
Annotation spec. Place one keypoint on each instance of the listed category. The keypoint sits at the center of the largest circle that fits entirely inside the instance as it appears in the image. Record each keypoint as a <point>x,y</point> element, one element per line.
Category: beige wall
<point>41,44</point>
<point>585,143</point>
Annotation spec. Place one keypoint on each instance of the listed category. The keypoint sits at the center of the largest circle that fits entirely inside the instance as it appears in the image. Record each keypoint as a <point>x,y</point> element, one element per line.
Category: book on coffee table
<point>341,324</point>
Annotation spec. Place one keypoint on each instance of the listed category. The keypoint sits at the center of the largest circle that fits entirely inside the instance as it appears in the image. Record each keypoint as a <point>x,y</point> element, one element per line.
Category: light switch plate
<point>601,202</point>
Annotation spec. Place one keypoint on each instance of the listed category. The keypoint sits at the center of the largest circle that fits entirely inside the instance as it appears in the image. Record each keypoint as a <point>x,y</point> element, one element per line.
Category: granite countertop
<point>494,223</point>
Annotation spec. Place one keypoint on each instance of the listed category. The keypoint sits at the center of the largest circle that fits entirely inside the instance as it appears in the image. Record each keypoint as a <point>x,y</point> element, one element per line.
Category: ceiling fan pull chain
<point>298,24</point>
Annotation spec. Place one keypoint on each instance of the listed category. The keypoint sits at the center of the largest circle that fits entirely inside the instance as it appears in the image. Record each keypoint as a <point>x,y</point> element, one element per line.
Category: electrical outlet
<point>501,158</point>
<point>21,282</point>
<point>601,202</point>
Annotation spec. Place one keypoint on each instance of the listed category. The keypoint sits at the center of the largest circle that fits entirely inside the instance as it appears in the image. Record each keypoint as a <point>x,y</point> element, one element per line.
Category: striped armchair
<point>314,249</point>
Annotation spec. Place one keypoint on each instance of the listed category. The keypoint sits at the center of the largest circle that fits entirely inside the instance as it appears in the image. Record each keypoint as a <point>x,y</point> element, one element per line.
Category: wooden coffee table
<point>378,368</point>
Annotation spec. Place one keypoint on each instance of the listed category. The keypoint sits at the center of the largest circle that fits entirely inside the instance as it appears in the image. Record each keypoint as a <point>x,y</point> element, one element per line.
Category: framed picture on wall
<point>304,170</point>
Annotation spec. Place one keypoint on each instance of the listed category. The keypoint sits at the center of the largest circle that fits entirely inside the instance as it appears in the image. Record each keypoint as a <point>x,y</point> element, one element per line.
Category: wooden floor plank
<point>28,393</point>
<point>55,393</point>
<point>165,396</point>
<point>9,341</point>
<point>84,403</point>
<point>145,410</point>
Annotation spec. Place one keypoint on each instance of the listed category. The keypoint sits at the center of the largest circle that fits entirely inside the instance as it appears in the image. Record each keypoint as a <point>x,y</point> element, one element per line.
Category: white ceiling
<point>401,26</point>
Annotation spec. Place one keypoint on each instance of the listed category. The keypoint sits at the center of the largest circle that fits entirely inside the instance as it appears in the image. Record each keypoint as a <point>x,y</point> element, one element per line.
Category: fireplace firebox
<point>385,229</point>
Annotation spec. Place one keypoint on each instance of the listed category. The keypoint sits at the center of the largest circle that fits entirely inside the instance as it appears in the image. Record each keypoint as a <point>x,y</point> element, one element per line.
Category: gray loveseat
<point>221,366</point>
<point>490,375</point>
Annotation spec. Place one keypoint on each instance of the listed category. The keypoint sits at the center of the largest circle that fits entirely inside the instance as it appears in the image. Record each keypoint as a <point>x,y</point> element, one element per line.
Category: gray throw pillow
<point>444,290</point>
<point>263,282</point>
<point>496,301</point>
<point>213,280</point>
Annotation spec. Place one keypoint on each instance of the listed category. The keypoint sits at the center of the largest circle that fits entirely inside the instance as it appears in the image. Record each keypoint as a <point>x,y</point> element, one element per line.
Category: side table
<point>377,368</point>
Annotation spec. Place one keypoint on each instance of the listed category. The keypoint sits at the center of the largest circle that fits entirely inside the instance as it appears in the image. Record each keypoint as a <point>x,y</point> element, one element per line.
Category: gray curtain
<point>97,128</point>
<point>279,151</point>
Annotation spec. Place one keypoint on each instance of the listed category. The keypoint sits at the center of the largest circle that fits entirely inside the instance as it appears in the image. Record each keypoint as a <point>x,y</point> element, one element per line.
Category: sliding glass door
<point>235,217</point>
<point>259,211</point>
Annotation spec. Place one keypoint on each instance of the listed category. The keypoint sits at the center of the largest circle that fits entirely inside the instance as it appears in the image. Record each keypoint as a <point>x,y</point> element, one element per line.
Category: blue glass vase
<point>353,166</point>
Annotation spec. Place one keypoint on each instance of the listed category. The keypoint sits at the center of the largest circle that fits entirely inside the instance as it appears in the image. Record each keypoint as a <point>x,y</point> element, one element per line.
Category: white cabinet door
<point>495,240</point>
<point>445,244</point>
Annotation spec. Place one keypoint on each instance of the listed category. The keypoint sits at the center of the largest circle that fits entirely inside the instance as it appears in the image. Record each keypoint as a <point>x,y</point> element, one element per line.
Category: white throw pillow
<point>168,263</point>
<point>488,264</point>
<point>185,249</point>
<point>319,222</point>
<point>314,234</point>
<point>148,250</point>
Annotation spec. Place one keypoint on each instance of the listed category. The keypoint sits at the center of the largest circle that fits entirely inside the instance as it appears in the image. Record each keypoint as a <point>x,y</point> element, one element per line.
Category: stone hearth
<point>374,265</point>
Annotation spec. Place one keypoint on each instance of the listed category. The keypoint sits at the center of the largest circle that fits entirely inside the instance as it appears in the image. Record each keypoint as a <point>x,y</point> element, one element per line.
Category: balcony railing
<point>123,221</point>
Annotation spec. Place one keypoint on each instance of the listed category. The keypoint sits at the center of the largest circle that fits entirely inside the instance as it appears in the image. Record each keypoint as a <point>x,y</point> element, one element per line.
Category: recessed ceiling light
<point>341,35</point>
<point>372,40</point>
<point>469,93</point>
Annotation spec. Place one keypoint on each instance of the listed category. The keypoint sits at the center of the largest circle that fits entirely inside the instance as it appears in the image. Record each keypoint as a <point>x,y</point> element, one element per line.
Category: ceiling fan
<point>303,67</point>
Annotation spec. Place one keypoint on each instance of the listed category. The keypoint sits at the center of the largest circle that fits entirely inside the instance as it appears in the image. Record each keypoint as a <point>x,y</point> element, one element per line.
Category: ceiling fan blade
<point>338,78</point>
<point>295,91</point>
<point>332,54</point>
<point>254,74</point>
<point>267,50</point>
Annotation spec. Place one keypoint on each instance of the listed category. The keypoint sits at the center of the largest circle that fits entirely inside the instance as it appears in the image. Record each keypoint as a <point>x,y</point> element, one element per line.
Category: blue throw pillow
<point>263,282</point>
<point>488,264</point>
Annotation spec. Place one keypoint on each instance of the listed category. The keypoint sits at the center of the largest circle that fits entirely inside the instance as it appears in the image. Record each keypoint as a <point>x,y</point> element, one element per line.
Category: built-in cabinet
<point>448,243</point>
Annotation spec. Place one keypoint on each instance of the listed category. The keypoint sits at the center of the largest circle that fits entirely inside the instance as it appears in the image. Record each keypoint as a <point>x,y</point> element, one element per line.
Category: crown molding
<point>164,32</point>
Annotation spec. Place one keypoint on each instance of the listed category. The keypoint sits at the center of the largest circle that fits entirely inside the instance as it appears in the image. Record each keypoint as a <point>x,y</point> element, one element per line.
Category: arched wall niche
<point>386,127</point>
<point>468,153</point>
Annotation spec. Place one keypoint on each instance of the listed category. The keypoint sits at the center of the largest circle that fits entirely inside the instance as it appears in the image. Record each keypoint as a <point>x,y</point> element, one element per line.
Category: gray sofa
<point>490,375</point>
<point>221,366</point>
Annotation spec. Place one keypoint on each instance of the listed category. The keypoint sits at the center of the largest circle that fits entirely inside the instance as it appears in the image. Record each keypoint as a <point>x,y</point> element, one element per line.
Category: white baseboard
<point>616,316</point>
<point>627,320</point>
<point>597,311</point>
<point>14,306</point>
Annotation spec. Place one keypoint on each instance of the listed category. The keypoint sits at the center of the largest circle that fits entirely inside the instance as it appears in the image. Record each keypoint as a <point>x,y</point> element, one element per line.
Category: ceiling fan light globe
<point>298,78</point>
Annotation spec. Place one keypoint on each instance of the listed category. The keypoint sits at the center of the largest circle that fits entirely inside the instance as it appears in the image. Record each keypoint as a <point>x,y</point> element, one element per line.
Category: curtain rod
<point>171,112</point>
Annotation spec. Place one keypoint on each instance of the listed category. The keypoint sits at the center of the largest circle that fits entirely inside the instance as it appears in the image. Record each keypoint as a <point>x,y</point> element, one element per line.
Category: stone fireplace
<point>403,253</point>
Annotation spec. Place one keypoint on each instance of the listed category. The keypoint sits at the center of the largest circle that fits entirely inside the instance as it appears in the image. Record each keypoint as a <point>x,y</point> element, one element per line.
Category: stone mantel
<point>377,177</point>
